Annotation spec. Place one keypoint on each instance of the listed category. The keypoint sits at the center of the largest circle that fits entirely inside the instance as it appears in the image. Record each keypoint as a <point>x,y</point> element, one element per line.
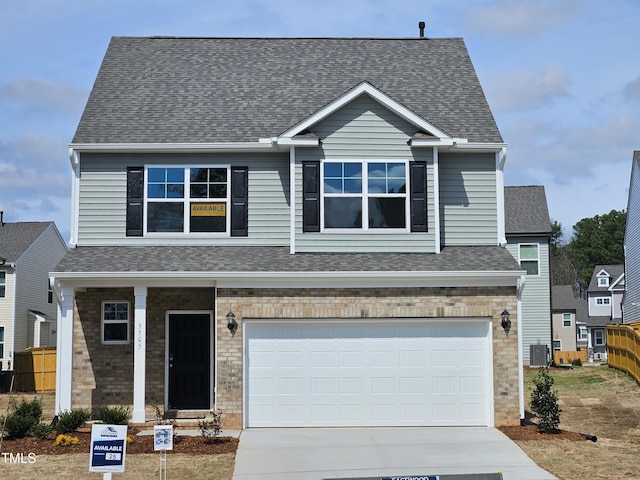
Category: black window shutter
<point>135,187</point>
<point>310,196</point>
<point>418,198</point>
<point>239,201</point>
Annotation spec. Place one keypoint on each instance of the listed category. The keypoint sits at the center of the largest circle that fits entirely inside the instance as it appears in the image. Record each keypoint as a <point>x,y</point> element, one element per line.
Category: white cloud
<point>522,90</point>
<point>632,90</point>
<point>41,96</point>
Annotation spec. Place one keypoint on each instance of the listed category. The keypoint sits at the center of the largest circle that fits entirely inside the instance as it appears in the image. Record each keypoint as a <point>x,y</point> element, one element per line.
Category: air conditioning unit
<point>538,355</point>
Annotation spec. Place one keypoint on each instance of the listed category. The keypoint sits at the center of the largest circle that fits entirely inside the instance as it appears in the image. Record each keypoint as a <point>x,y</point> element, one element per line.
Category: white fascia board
<point>311,279</point>
<point>478,147</point>
<point>172,147</point>
<point>297,142</point>
<point>380,97</point>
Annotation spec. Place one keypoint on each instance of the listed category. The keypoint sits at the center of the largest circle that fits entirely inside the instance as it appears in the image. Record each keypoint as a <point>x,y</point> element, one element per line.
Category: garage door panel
<point>331,374</point>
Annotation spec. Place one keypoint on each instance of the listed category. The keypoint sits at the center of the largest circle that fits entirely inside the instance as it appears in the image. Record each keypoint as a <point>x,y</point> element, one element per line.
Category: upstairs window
<point>529,259</point>
<point>566,319</point>
<point>3,284</point>
<point>603,281</point>
<point>603,301</point>
<point>365,195</point>
<point>187,200</point>
<point>584,333</point>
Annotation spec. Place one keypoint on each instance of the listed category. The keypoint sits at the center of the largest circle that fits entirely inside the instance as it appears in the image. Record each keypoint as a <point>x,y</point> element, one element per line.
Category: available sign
<point>217,209</point>
<point>108,448</point>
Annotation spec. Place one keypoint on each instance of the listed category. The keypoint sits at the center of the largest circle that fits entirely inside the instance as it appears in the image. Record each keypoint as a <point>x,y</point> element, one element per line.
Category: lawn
<point>598,401</point>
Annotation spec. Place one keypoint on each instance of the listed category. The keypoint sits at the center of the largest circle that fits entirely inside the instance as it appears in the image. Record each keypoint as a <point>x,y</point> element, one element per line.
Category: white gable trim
<point>380,97</point>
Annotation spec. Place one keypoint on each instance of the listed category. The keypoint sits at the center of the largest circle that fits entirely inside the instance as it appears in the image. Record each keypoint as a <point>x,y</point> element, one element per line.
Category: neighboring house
<point>528,231</point>
<point>298,232</point>
<point>570,333</point>
<point>631,302</point>
<point>28,252</point>
<point>604,296</point>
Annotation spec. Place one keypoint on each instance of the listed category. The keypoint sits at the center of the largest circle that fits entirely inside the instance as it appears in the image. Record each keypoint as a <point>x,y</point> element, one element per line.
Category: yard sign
<point>108,448</point>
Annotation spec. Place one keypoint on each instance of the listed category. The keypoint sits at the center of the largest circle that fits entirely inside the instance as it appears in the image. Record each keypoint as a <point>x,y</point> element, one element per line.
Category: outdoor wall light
<point>232,325</point>
<point>506,322</point>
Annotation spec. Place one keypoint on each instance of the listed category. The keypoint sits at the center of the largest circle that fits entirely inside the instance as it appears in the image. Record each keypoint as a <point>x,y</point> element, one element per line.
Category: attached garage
<point>391,372</point>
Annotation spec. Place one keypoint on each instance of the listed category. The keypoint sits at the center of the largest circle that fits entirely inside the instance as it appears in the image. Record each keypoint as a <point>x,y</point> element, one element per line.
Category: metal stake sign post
<point>108,449</point>
<point>163,441</point>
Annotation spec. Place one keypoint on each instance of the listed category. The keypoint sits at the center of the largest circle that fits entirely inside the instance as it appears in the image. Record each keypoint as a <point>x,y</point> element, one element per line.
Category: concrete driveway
<point>319,453</point>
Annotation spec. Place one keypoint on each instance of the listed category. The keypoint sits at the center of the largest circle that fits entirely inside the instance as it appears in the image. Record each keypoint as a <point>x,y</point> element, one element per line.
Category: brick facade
<point>103,375</point>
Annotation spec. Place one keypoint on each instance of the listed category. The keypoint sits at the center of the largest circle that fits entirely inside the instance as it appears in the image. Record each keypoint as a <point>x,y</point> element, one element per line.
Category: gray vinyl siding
<point>603,310</point>
<point>632,246</point>
<point>32,274</point>
<point>7,312</point>
<point>364,130</point>
<point>468,201</point>
<point>536,297</point>
<point>103,193</point>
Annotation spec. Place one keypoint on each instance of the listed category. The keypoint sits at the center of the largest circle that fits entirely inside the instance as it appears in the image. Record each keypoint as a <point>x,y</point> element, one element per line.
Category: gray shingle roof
<point>278,259</point>
<point>17,237</point>
<point>564,299</point>
<point>526,210</point>
<point>187,90</point>
<point>613,270</point>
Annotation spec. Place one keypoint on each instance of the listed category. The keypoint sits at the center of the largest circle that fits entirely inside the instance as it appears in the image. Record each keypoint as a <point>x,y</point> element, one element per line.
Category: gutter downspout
<point>436,199</point>
<point>501,158</point>
<point>292,200</point>
<point>74,158</point>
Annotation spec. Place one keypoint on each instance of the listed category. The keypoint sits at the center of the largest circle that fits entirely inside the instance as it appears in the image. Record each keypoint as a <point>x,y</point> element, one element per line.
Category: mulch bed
<point>140,444</point>
<point>530,432</point>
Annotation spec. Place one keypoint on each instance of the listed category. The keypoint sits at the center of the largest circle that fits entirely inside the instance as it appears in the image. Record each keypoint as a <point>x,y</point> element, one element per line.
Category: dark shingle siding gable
<point>193,90</point>
<point>526,211</point>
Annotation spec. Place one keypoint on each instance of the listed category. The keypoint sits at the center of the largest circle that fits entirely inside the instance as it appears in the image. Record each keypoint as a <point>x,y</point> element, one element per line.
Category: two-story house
<point>296,231</point>
<point>528,231</point>
<point>28,252</point>
<point>570,332</point>
<point>631,300</point>
<point>604,295</point>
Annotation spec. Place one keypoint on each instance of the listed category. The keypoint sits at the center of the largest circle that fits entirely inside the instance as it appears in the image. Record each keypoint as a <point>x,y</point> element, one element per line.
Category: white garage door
<point>375,374</point>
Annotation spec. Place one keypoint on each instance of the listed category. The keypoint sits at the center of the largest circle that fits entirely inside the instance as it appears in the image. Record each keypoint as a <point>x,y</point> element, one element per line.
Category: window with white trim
<point>529,259</point>
<point>365,195</point>
<point>1,344</point>
<point>115,322</point>
<point>603,281</point>
<point>557,345</point>
<point>566,319</point>
<point>584,333</point>
<point>187,200</point>
<point>598,337</point>
<point>603,301</point>
<point>3,284</point>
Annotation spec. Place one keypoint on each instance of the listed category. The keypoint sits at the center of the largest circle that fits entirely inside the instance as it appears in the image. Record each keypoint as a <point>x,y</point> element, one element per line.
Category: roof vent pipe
<point>1,219</point>
<point>421,26</point>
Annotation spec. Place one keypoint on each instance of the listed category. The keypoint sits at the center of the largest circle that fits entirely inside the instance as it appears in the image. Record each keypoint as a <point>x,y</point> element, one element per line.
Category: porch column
<point>139,354</point>
<point>64,349</point>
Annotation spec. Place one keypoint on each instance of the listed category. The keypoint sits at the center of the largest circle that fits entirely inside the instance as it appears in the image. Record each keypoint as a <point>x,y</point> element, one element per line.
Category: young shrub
<point>577,362</point>
<point>22,417</point>
<point>71,420</point>
<point>161,419</point>
<point>210,428</point>
<point>544,402</point>
<point>41,430</point>
<point>117,415</point>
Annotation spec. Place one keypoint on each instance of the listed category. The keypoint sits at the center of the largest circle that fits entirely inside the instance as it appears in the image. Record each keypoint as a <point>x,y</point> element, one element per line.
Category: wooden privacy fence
<point>34,370</point>
<point>623,348</point>
<point>564,357</point>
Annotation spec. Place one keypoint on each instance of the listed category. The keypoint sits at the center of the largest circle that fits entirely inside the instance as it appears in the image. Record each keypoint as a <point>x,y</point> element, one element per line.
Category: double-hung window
<point>3,284</point>
<point>599,338</point>
<point>1,345</point>
<point>529,260</point>
<point>566,319</point>
<point>365,195</point>
<point>115,322</point>
<point>187,200</point>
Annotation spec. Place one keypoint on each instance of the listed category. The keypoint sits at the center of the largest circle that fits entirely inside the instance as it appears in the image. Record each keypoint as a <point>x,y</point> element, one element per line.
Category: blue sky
<point>562,78</point>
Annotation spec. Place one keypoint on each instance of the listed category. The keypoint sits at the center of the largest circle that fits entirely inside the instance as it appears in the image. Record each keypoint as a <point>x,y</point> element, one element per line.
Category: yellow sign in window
<point>208,209</point>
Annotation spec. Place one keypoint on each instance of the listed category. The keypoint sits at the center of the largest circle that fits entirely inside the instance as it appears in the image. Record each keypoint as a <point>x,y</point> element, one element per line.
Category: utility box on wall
<point>538,356</point>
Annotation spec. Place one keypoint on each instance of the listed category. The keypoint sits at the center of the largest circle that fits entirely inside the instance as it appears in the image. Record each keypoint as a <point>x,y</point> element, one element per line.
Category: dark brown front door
<point>189,361</point>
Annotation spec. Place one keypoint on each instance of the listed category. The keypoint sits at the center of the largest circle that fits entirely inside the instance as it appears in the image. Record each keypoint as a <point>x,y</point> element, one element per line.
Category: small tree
<point>544,402</point>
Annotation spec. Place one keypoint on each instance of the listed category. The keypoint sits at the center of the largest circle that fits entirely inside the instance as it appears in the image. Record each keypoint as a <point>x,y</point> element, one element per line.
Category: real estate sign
<point>108,448</point>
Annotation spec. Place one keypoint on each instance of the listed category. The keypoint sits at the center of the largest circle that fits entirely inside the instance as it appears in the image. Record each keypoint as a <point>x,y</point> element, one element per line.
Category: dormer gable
<point>603,278</point>
<point>427,134</point>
